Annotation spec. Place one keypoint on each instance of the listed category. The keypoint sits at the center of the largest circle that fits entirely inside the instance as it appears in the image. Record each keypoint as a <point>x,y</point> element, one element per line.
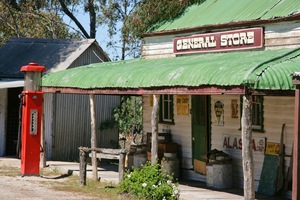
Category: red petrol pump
<point>32,104</point>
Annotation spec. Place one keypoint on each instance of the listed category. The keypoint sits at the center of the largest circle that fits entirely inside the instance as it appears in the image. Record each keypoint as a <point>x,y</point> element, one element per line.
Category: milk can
<point>139,157</point>
<point>170,164</point>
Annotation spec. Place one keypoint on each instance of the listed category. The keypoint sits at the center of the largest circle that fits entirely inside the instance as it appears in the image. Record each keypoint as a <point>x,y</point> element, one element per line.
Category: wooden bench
<point>103,153</point>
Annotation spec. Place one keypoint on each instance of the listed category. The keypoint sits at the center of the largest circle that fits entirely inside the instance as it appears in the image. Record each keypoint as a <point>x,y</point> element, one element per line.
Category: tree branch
<point>69,14</point>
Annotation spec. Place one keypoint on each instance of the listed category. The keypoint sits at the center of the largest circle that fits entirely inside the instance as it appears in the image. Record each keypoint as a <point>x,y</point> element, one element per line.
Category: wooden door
<point>200,131</point>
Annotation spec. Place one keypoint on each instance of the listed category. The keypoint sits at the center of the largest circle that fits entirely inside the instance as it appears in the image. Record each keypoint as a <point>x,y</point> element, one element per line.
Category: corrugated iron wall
<point>91,55</point>
<point>71,124</point>
<point>48,123</point>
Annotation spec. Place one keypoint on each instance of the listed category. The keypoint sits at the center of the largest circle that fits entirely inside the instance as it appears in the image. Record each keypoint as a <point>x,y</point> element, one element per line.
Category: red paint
<point>235,142</point>
<point>251,38</point>
<point>31,132</point>
<point>33,67</point>
<point>32,104</point>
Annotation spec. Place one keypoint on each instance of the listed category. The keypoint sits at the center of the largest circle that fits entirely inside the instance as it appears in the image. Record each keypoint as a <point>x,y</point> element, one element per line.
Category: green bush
<point>149,182</point>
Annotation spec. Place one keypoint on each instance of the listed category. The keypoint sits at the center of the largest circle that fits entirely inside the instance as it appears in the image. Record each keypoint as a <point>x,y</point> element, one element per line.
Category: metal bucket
<point>170,165</point>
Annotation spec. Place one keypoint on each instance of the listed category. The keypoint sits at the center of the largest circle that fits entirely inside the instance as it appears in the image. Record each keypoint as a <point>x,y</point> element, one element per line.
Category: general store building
<point>201,65</point>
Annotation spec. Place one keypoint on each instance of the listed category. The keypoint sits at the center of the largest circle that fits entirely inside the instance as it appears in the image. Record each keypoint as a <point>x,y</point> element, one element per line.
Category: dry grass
<point>9,171</point>
<point>93,189</point>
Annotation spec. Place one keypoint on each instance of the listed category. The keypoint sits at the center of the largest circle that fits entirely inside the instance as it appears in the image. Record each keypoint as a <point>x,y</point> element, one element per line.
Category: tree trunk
<point>247,154</point>
<point>154,124</point>
<point>75,20</point>
<point>91,8</point>
<point>93,137</point>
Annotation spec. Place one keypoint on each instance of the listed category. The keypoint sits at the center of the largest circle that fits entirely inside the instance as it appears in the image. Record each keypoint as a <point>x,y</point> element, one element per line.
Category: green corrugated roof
<point>215,12</point>
<point>267,69</point>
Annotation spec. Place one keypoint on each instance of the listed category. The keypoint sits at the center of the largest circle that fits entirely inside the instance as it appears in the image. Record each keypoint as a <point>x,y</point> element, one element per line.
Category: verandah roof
<point>258,70</point>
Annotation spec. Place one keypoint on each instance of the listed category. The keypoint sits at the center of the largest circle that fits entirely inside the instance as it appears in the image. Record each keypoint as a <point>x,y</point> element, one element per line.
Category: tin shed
<point>66,120</point>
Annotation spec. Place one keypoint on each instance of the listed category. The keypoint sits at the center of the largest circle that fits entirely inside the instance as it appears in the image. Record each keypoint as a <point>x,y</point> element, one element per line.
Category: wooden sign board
<point>272,148</point>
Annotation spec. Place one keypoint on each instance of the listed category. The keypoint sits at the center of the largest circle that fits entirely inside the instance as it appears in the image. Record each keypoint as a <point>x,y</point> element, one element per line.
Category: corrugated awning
<point>220,12</point>
<point>11,83</point>
<point>259,70</point>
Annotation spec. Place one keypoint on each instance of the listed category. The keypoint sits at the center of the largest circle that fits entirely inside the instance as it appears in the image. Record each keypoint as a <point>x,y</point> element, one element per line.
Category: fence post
<point>82,167</point>
<point>122,164</point>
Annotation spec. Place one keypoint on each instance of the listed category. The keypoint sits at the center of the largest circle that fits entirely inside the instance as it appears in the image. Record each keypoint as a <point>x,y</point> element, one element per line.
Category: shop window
<point>257,113</point>
<point>166,109</point>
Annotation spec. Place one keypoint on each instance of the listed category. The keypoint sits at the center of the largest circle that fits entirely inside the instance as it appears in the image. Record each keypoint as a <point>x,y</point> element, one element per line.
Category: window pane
<point>166,108</point>
<point>257,111</point>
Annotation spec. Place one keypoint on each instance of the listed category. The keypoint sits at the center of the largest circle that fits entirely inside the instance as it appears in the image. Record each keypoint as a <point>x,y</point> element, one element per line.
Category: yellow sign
<point>273,148</point>
<point>182,104</point>
<point>151,100</point>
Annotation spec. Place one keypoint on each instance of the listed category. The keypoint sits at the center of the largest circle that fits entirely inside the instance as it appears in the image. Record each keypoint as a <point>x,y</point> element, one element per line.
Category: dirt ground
<point>30,187</point>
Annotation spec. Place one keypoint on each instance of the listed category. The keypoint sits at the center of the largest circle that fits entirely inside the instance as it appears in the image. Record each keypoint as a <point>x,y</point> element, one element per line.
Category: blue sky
<point>101,32</point>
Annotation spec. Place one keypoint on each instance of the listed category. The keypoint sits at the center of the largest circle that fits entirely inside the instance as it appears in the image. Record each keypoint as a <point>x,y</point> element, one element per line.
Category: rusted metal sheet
<point>171,90</point>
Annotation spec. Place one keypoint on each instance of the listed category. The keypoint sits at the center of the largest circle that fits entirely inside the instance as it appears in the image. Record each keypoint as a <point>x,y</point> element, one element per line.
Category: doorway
<point>13,104</point>
<point>200,131</point>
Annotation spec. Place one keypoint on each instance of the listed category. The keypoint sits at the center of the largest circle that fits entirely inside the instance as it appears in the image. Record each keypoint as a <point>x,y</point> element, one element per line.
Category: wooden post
<point>122,164</point>
<point>296,153</point>
<point>154,124</point>
<point>247,154</point>
<point>82,167</point>
<point>43,153</point>
<point>93,137</point>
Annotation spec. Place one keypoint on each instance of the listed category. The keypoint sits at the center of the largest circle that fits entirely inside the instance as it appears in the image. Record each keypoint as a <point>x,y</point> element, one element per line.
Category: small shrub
<point>149,182</point>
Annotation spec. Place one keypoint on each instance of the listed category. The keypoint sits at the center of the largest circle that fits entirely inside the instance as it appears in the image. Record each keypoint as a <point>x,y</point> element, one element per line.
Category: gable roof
<point>228,13</point>
<point>260,70</point>
<point>51,53</point>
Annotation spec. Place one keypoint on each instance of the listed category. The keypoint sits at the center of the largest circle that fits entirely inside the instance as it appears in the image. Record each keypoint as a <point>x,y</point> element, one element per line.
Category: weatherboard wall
<point>280,35</point>
<point>277,111</point>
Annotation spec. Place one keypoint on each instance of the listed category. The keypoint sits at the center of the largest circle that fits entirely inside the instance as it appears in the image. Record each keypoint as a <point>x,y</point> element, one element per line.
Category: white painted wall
<point>280,35</point>
<point>3,111</point>
<point>181,131</point>
<point>277,110</point>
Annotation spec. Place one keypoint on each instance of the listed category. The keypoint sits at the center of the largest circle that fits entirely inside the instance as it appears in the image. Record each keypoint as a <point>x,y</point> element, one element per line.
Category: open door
<point>200,131</point>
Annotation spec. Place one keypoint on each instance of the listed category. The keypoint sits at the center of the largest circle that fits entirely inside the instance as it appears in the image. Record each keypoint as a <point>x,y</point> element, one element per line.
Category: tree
<point>30,19</point>
<point>114,14</point>
<point>149,14</point>
<point>129,115</point>
<point>132,18</point>
<point>89,6</point>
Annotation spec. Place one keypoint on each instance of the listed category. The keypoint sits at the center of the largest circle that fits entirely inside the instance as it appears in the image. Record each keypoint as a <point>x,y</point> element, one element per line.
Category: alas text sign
<point>234,142</point>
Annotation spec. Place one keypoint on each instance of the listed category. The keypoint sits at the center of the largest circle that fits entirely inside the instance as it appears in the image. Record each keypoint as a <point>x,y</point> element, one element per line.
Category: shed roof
<point>218,12</point>
<point>52,53</point>
<point>260,70</point>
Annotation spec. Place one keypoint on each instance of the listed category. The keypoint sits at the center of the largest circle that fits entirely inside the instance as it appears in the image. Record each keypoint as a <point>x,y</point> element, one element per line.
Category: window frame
<point>256,128</point>
<point>170,109</point>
